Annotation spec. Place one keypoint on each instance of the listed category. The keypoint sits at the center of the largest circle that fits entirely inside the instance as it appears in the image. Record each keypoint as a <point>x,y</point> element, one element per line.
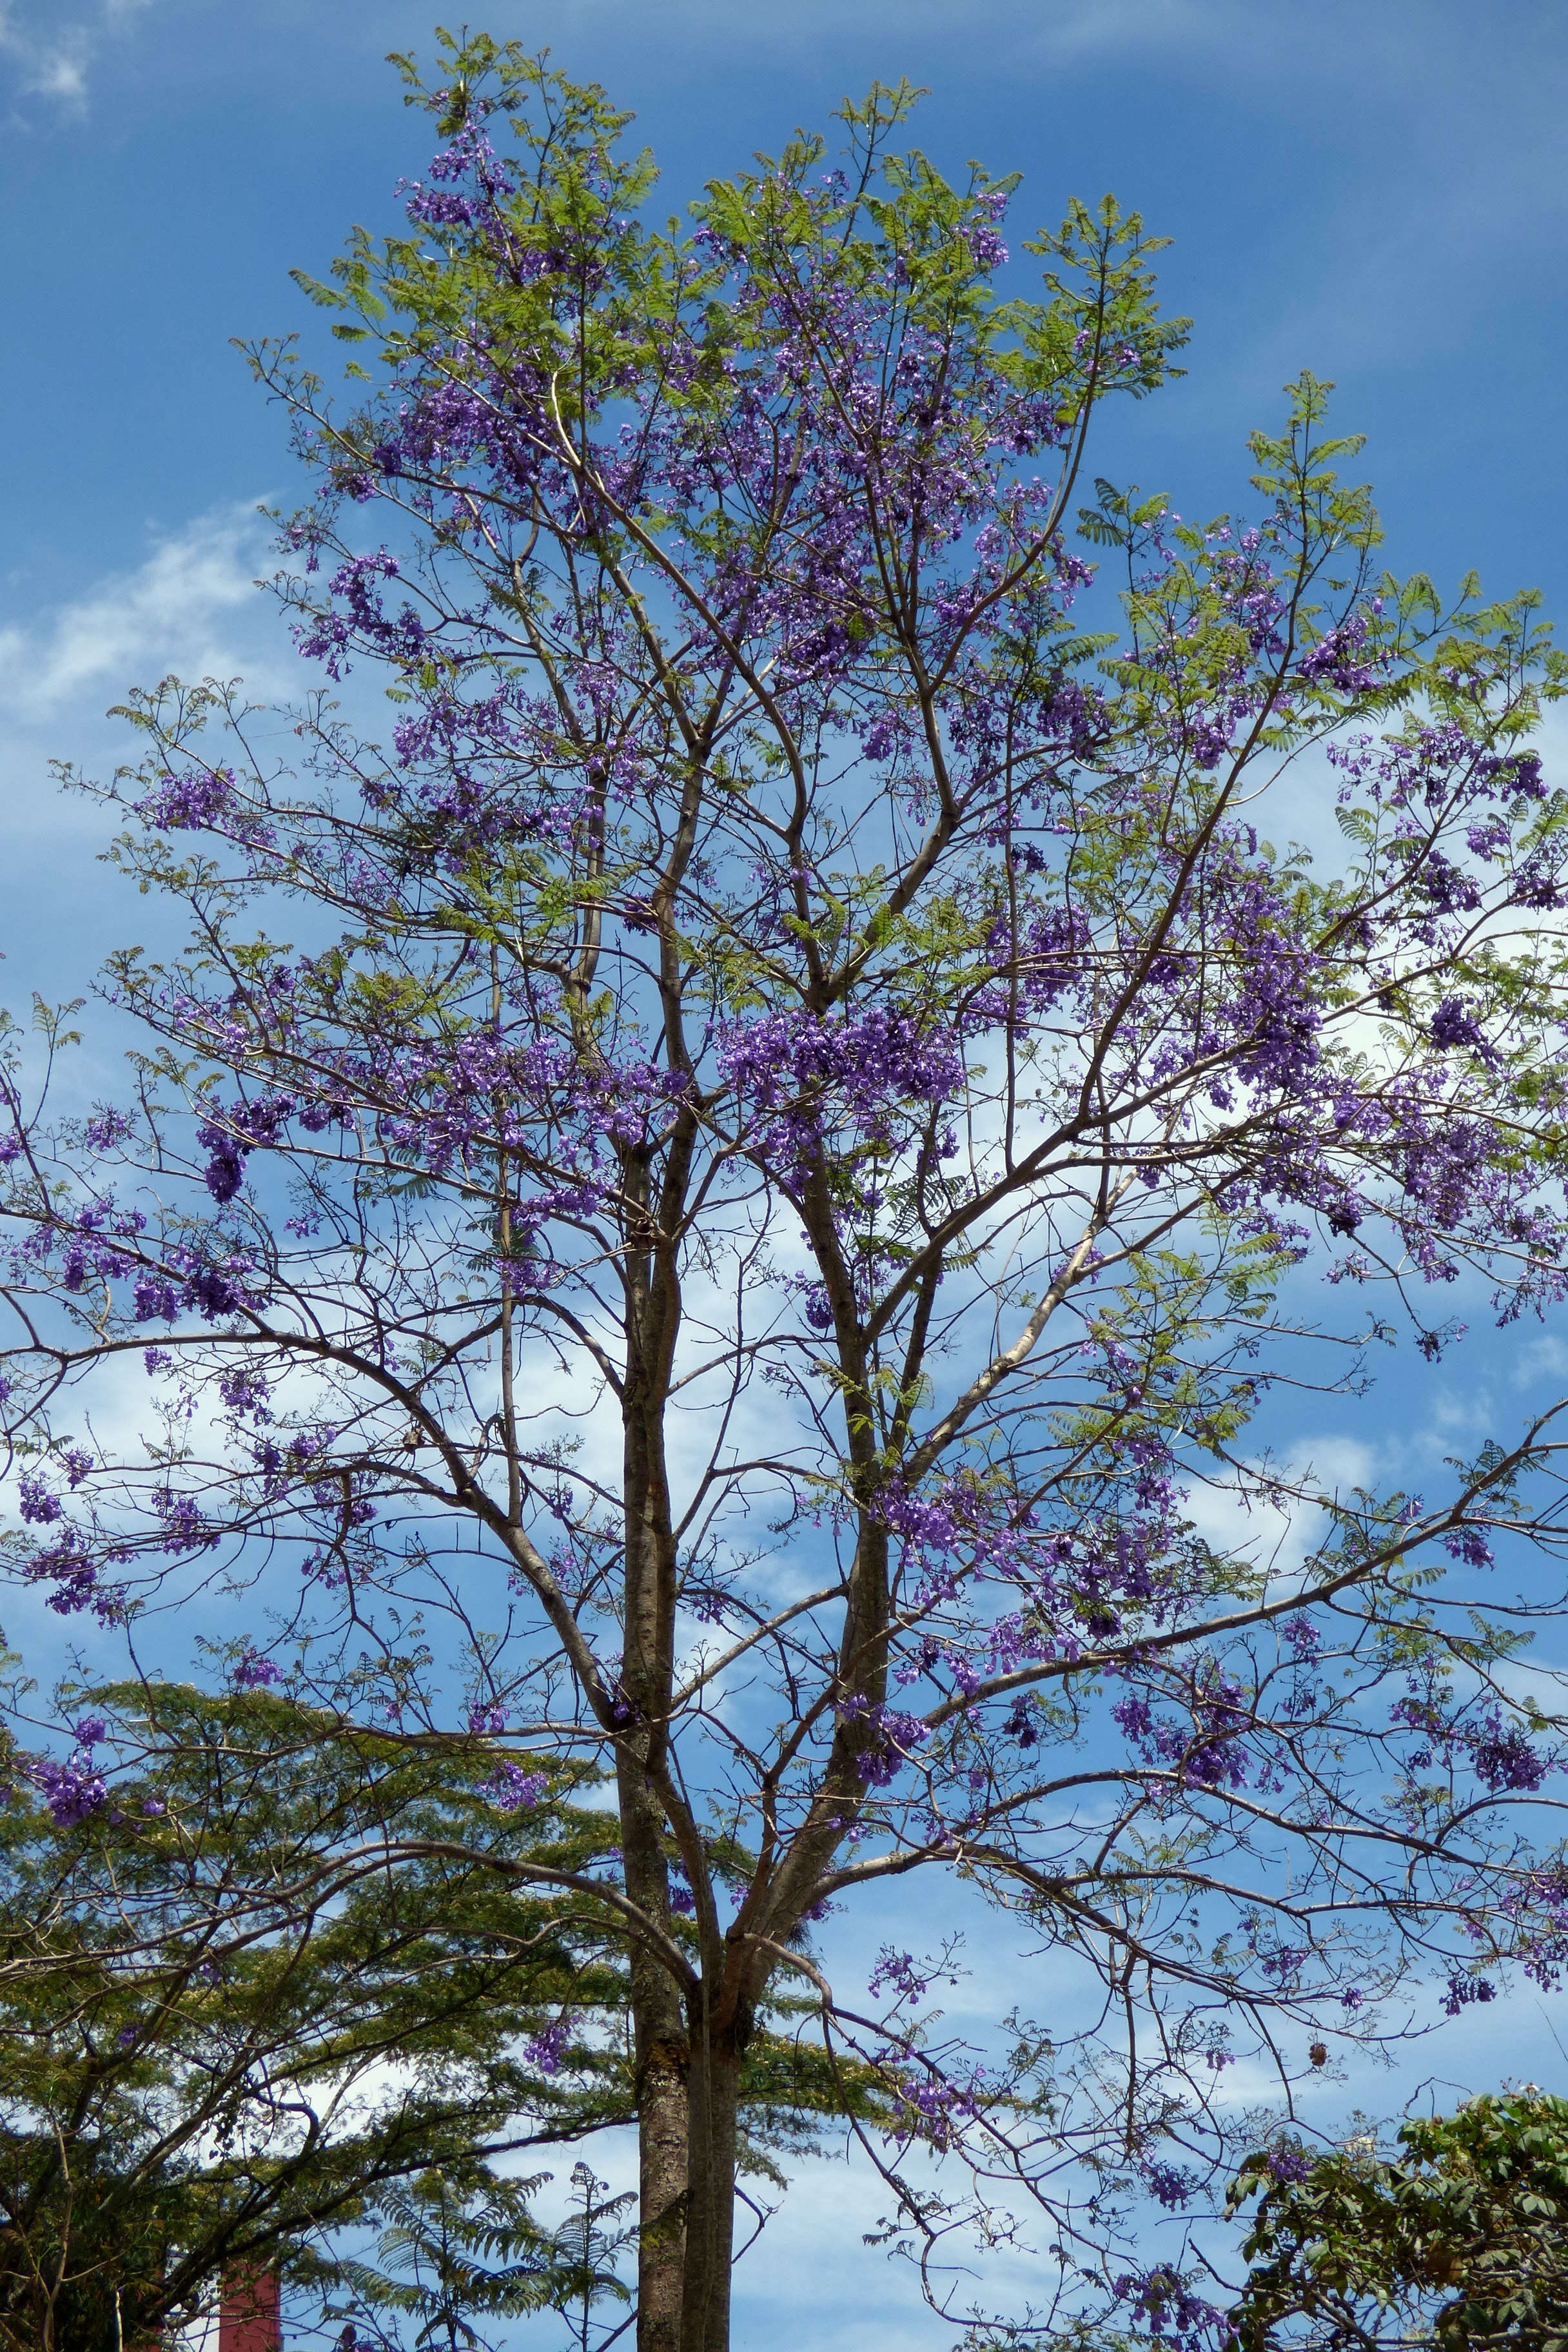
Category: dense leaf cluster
<point>1458,2241</point>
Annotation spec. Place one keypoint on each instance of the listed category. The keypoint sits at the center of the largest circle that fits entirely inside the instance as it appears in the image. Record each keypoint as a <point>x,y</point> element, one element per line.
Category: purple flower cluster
<point>897,1972</point>
<point>1204,1745</point>
<point>1463,1990</point>
<point>1168,2185</point>
<point>886,1738</point>
<point>858,1074</point>
<point>215,1285</point>
<point>253,1671</point>
<point>936,2108</point>
<point>198,798</point>
<point>1175,2317</point>
<point>547,2048</point>
<point>72,1570</point>
<point>512,1790</point>
<point>73,1789</point>
<point>1497,1751</point>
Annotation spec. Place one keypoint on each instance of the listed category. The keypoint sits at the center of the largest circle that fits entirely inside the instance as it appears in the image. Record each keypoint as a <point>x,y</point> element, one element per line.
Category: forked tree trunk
<point>659,2019</point>
<point>687,2135</point>
<point>686,2067</point>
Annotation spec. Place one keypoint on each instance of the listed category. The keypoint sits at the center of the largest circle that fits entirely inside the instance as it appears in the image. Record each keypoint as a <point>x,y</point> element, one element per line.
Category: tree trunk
<point>673,2092</point>
<point>658,2021</point>
<point>713,2086</point>
<point>659,2050</point>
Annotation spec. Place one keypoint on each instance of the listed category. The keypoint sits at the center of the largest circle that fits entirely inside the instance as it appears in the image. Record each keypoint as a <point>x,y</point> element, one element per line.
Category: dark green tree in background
<point>274,1998</point>
<point>461,2251</point>
<point>1455,2242</point>
<point>226,2028</point>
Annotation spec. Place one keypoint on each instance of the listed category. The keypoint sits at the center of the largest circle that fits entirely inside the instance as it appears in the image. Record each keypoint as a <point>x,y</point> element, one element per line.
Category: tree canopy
<point>274,1996</point>
<point>228,2030</point>
<point>1455,2242</point>
<point>719,1192</point>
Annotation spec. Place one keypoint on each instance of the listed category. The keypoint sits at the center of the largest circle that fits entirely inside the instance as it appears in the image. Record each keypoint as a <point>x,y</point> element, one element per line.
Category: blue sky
<point>1371,190</point>
<point>1374,189</point>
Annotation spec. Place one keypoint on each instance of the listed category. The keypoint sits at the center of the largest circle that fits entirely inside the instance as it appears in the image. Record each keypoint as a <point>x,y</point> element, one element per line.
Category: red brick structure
<point>247,2316</point>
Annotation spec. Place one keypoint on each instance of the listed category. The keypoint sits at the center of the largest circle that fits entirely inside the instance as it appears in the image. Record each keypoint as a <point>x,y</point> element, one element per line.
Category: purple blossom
<point>252,1671</point>
<point>184,1528</point>
<point>897,1971</point>
<point>1168,2185</point>
<point>512,1790</point>
<point>108,1126</point>
<point>1502,1758</point>
<point>1173,2314</point>
<point>73,1790</point>
<point>547,2048</point>
<point>226,1166</point>
<point>1452,1025</point>
<point>198,798</point>
<point>894,1737</point>
<point>1464,1989</point>
<point>35,1501</point>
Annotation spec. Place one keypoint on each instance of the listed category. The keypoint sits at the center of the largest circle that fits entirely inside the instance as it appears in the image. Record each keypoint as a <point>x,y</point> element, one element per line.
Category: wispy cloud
<point>51,52</point>
<point>180,609</point>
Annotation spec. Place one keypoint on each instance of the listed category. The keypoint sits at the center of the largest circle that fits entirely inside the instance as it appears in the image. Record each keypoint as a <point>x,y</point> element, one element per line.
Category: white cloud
<point>177,610</point>
<point>1278,1535</point>
<point>1036,39</point>
<point>1544,1359</point>
<point>50,58</point>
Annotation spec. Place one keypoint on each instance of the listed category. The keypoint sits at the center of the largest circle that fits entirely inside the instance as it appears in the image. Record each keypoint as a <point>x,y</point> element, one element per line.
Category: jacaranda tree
<point>723,1202</point>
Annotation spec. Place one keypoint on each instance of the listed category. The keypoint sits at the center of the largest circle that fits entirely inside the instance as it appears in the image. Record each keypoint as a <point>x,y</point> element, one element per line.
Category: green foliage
<point>271,2000</point>
<point>461,2246</point>
<point>1458,2242</point>
<point>274,1971</point>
